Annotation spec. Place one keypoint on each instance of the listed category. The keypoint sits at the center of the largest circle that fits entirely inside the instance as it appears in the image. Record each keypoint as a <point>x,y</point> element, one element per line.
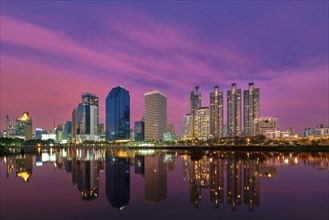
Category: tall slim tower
<point>216,113</point>
<point>250,109</point>
<point>155,115</point>
<point>87,117</point>
<point>118,114</point>
<point>234,111</point>
<point>194,103</point>
<point>74,126</point>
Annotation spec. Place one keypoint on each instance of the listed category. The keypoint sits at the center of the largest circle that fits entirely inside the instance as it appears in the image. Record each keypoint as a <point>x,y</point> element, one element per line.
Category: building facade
<point>250,109</point>
<point>265,125</point>
<point>187,127</point>
<point>194,103</point>
<point>155,115</point>
<point>118,114</point>
<point>87,118</point>
<point>234,111</point>
<point>202,123</point>
<point>140,130</point>
<point>216,113</point>
<point>74,126</point>
<point>23,127</point>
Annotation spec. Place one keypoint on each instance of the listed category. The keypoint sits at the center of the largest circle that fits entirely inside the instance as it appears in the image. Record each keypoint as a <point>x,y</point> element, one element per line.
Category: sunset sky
<point>51,52</point>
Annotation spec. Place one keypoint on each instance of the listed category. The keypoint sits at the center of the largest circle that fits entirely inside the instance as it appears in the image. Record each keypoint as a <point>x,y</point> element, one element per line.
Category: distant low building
<point>22,129</point>
<point>319,131</point>
<point>167,136</point>
<point>264,125</point>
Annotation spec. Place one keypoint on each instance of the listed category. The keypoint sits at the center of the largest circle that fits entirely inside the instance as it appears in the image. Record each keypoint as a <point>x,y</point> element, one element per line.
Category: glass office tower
<point>117,114</point>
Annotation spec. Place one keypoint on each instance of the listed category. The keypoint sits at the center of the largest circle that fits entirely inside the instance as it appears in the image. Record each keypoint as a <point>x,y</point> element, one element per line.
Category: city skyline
<point>68,52</point>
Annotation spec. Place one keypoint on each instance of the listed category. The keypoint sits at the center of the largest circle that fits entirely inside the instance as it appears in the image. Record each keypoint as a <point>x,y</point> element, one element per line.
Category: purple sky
<point>51,52</point>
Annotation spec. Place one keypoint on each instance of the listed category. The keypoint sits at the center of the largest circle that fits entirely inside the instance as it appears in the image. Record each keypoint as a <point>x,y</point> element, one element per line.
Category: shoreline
<point>34,149</point>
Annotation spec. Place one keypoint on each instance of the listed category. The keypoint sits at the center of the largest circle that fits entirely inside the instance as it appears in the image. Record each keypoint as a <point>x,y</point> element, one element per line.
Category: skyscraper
<point>201,123</point>
<point>140,130</point>
<point>234,111</point>
<point>195,100</point>
<point>74,126</point>
<point>250,109</point>
<point>194,103</point>
<point>216,113</point>
<point>67,128</point>
<point>87,117</point>
<point>187,127</point>
<point>118,114</point>
<point>155,115</point>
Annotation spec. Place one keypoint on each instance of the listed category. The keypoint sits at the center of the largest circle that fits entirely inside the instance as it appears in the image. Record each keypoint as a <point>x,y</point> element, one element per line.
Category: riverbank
<point>34,149</point>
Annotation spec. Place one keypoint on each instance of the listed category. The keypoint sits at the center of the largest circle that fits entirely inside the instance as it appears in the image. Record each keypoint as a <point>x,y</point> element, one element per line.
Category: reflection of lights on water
<point>286,161</point>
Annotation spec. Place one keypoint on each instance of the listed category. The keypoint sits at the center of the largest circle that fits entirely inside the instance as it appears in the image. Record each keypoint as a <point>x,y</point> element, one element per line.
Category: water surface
<point>167,184</point>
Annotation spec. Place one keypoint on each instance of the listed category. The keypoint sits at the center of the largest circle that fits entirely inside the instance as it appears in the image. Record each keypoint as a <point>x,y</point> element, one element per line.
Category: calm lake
<point>164,184</point>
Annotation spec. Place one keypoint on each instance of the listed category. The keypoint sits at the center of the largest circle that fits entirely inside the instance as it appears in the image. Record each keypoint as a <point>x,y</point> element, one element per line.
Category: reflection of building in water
<point>87,179</point>
<point>251,184</point>
<point>155,179</point>
<point>24,167</point>
<point>195,186</point>
<point>318,163</point>
<point>234,183</point>
<point>216,181</point>
<point>139,164</point>
<point>170,161</point>
<point>268,169</point>
<point>117,180</point>
<point>199,178</point>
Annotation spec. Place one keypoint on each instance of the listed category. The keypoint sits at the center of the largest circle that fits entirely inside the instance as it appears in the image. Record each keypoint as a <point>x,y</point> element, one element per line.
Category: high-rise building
<point>140,130</point>
<point>155,115</point>
<point>194,103</point>
<point>216,113</point>
<point>187,127</point>
<point>195,100</point>
<point>101,131</point>
<point>67,128</point>
<point>234,111</point>
<point>118,114</point>
<point>87,118</point>
<point>11,130</point>
<point>201,123</point>
<point>250,109</point>
<point>24,127</point>
<point>74,126</point>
